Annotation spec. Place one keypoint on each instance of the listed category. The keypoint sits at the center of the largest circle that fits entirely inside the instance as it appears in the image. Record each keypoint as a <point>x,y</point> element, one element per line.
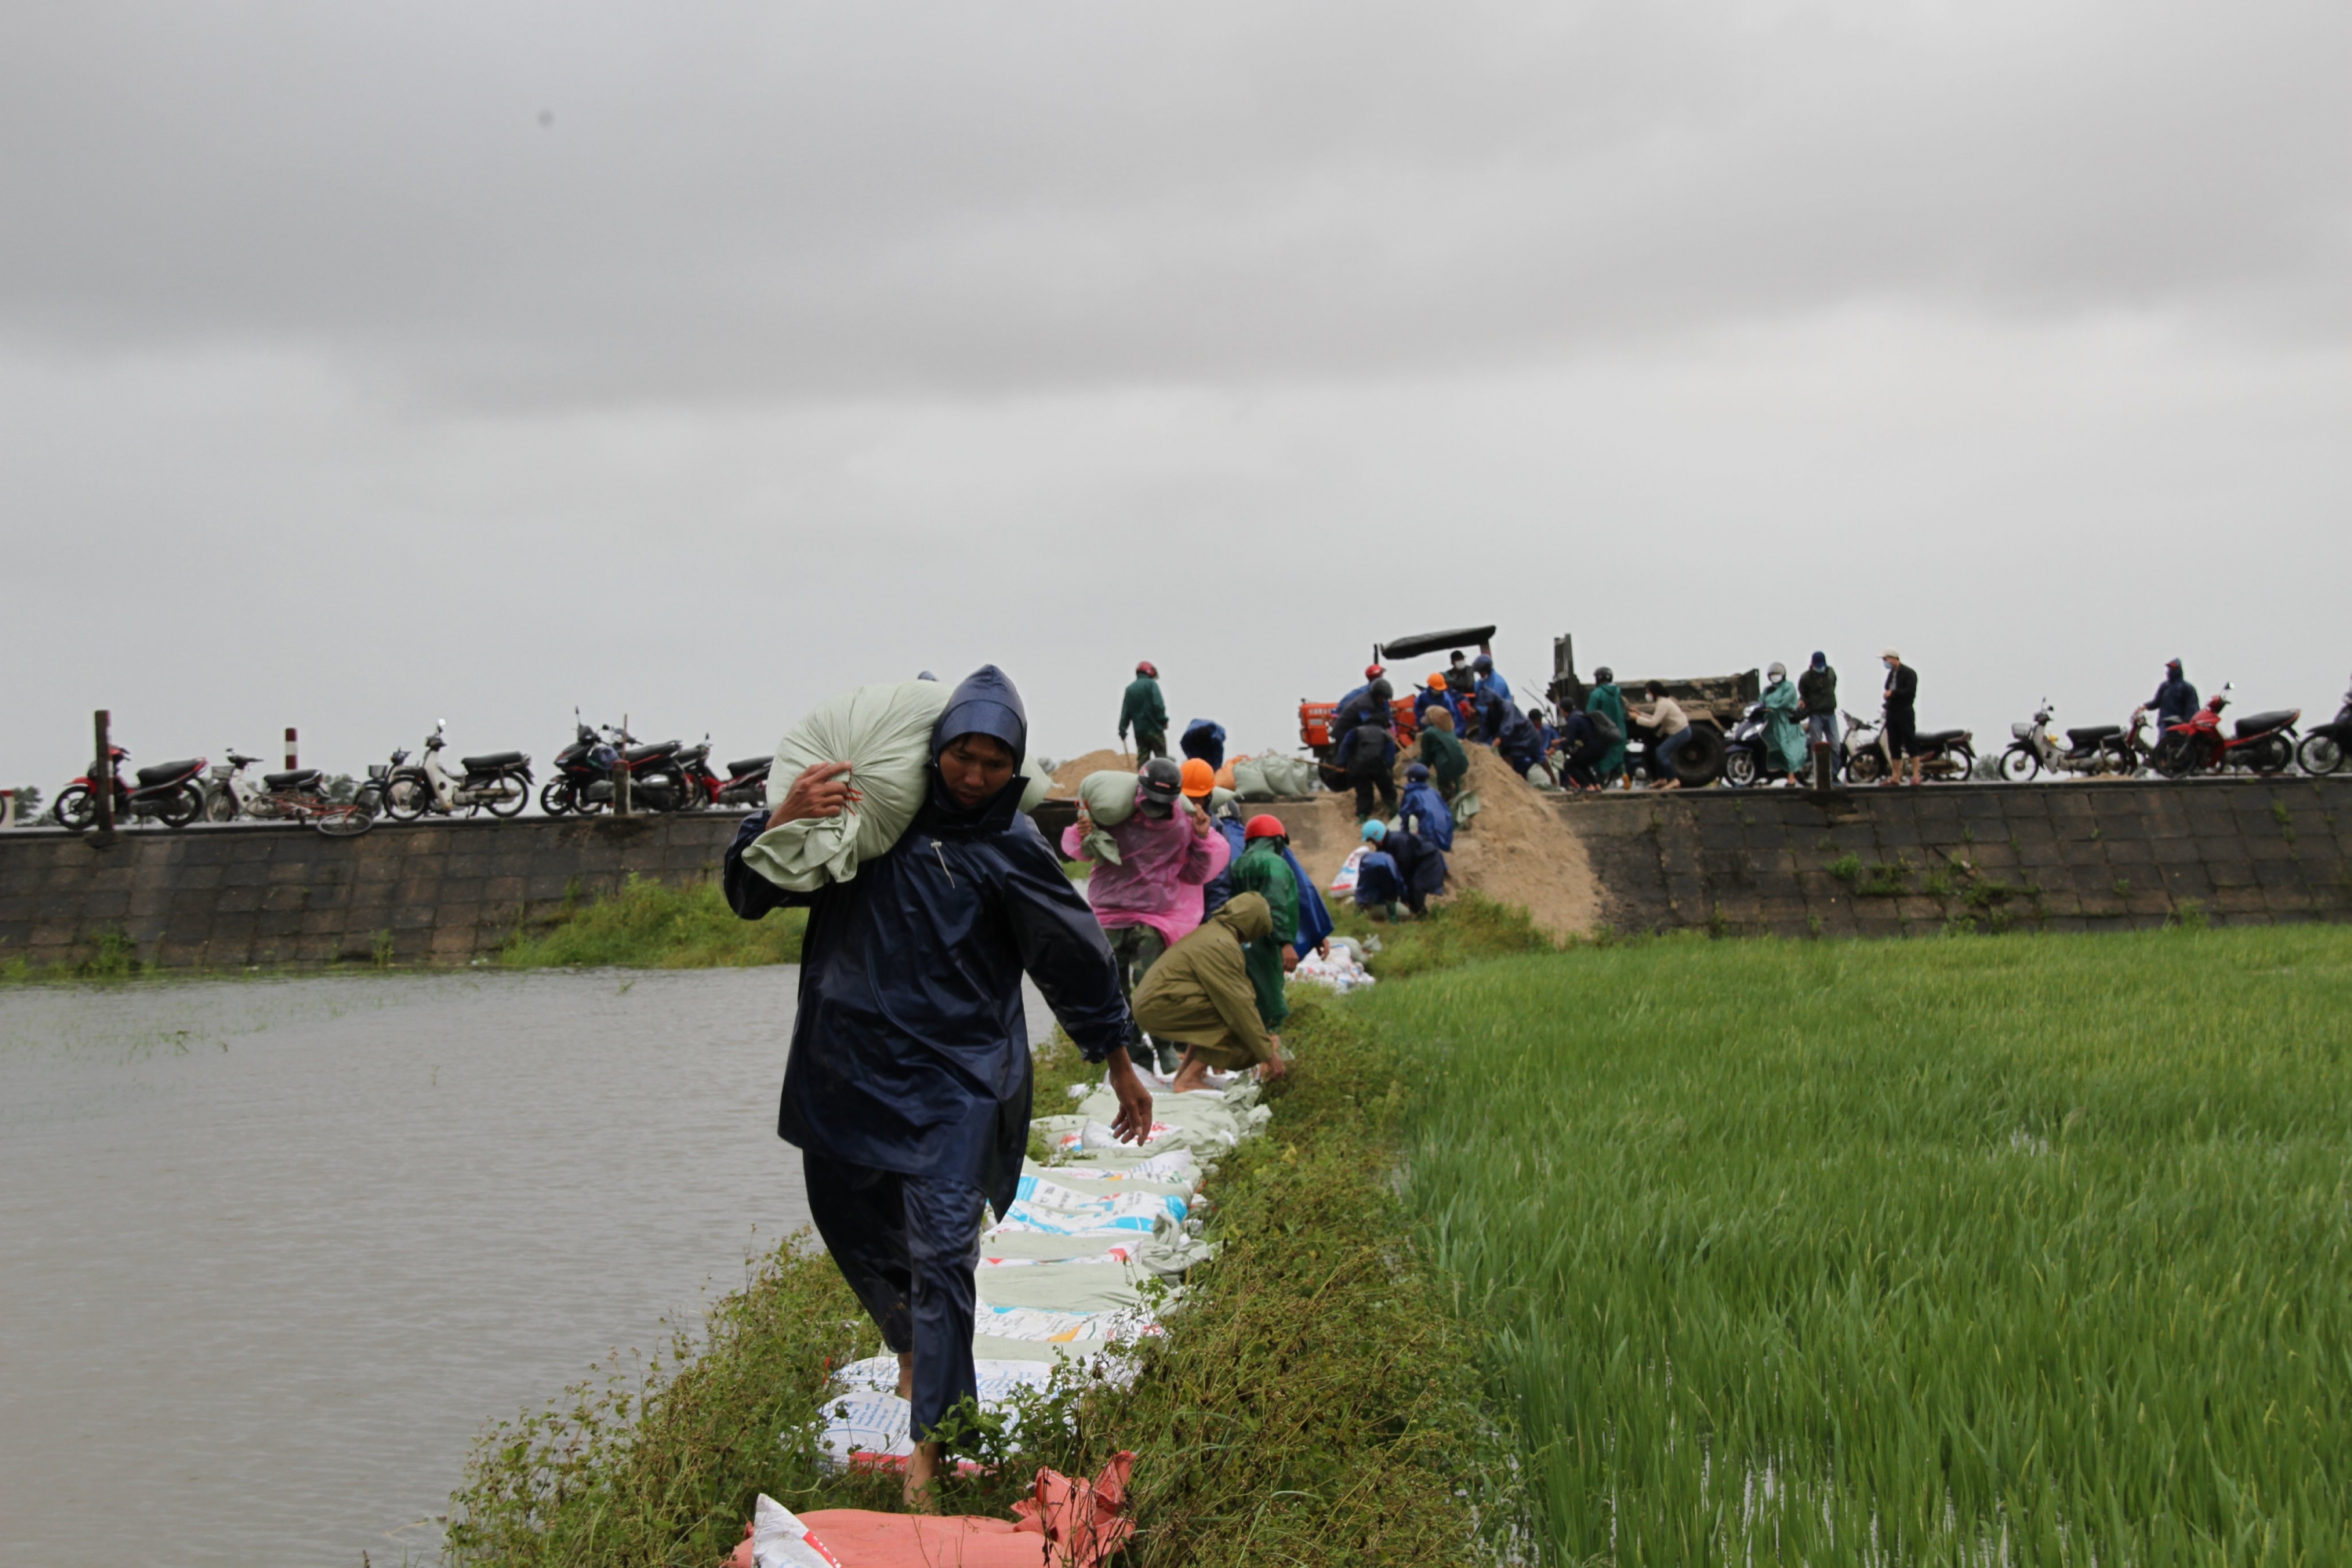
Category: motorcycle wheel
<point>1866,766</point>
<point>555,798</point>
<point>511,805</point>
<point>2271,756</point>
<point>1739,769</point>
<point>181,807</point>
<point>404,799</point>
<point>1964,763</point>
<point>2320,754</point>
<point>76,808</point>
<point>221,807</point>
<point>2173,757</point>
<point>2019,763</point>
<point>347,821</point>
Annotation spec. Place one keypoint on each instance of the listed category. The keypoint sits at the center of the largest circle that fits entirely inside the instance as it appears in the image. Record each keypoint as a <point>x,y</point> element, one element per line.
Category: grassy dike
<point>1317,1400</point>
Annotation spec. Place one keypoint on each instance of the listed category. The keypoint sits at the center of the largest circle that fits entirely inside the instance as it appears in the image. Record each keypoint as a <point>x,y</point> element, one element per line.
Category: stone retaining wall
<point>225,897</point>
<point>1888,862</point>
<point>1884,862</point>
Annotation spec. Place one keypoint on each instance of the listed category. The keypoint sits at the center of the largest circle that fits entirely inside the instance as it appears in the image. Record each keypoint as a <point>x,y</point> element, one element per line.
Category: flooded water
<point>272,1253</point>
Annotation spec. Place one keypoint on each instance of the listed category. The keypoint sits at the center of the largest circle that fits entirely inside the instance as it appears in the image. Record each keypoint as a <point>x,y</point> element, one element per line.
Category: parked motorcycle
<point>171,794</point>
<point>2262,742</point>
<point>701,784</point>
<point>1868,758</point>
<point>1864,756</point>
<point>2096,750</point>
<point>371,790</point>
<point>583,781</point>
<point>230,794</point>
<point>1748,760</point>
<point>2322,750</point>
<point>747,782</point>
<point>498,781</point>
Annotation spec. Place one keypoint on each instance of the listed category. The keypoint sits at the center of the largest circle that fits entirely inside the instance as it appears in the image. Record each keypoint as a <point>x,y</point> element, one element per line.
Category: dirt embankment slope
<point>1516,851</point>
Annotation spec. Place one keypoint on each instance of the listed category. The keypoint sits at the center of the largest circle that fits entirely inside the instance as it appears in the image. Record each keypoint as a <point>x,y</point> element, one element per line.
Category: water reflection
<point>272,1253</point>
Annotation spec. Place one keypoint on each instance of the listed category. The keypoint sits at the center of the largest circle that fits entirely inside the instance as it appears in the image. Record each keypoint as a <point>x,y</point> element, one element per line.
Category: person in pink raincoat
<point>1150,900</point>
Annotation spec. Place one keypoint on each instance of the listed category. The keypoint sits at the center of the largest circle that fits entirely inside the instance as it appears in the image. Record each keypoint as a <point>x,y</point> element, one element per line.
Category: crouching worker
<point>1204,994</point>
<point>1398,872</point>
<point>907,1087</point>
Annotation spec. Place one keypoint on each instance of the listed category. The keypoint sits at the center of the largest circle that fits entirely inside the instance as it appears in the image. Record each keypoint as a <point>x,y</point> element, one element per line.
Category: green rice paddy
<point>2026,1249</point>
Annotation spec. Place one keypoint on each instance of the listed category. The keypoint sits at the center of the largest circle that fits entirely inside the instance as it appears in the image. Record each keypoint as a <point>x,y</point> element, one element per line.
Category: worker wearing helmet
<point>1222,809</point>
<point>1146,712</point>
<point>1262,870</point>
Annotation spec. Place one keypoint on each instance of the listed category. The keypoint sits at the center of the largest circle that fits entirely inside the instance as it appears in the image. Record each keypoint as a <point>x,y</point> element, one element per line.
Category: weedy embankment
<point>654,925</point>
<point>1317,1400</point>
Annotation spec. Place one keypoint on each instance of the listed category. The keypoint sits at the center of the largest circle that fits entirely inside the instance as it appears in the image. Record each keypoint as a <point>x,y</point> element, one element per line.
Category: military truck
<point>1714,703</point>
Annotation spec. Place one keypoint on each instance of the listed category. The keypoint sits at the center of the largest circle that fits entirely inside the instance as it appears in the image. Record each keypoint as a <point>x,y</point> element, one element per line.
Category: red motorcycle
<point>173,795</point>
<point>2262,742</point>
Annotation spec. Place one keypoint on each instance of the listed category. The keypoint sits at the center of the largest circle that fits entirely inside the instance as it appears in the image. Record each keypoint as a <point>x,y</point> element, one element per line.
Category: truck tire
<point>1700,761</point>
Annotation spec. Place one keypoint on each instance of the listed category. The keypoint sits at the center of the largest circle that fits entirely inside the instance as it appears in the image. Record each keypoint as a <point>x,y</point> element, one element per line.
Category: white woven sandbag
<point>884,732</point>
<point>1109,798</point>
<point>1250,781</point>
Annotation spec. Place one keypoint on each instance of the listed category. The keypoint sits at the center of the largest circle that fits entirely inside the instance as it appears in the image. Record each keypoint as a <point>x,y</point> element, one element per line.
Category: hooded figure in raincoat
<point>1609,702</point>
<point>907,1087</point>
<point>1784,737</point>
<point>1203,995</point>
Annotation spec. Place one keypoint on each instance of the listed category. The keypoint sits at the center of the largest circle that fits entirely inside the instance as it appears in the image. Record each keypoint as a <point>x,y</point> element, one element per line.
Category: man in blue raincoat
<point>907,1087</point>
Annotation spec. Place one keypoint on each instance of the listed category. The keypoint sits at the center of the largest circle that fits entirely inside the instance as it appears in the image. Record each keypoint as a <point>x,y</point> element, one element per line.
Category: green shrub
<point>656,925</point>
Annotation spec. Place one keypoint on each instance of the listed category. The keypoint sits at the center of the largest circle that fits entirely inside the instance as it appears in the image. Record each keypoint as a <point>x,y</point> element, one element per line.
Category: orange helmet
<point>1199,778</point>
<point>1437,683</point>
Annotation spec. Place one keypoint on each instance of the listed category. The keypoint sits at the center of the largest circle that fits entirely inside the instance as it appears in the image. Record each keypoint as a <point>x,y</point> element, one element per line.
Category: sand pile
<point>1070,775</point>
<point>1517,851</point>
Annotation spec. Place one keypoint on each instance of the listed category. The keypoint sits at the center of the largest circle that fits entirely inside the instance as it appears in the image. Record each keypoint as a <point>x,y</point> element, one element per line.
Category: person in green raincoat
<point>1784,737</point>
<point>1143,709</point>
<point>1605,699</point>
<point>1263,870</point>
<point>1444,752</point>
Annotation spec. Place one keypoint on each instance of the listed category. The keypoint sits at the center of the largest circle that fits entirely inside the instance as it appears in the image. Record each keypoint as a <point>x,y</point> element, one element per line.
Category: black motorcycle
<point>582,785</point>
<point>747,782</point>
<point>2322,750</point>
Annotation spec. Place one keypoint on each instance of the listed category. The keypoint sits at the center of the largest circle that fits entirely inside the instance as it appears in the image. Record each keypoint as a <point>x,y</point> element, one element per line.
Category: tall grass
<point>2016,1250</point>
<point>655,925</point>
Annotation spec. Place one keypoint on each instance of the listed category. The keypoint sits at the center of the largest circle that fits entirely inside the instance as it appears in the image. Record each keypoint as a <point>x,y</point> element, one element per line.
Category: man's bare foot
<point>922,1493</point>
<point>1193,1075</point>
<point>906,1375</point>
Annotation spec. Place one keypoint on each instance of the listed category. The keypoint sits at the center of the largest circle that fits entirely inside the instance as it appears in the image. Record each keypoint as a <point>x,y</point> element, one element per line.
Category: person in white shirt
<point>1667,721</point>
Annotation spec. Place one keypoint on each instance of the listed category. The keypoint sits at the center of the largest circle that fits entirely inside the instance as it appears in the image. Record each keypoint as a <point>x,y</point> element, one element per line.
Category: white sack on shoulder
<point>884,732</point>
<point>1109,798</point>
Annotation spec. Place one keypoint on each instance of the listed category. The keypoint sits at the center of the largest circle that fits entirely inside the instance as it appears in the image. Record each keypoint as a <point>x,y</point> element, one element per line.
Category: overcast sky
<point>365,366</point>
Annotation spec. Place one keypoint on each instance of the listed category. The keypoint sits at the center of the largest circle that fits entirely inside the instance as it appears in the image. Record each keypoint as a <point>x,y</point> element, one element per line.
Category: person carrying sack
<point>907,1087</point>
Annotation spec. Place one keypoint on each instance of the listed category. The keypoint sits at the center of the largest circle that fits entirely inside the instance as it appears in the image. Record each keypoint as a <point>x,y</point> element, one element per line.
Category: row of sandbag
<point>1088,1257</point>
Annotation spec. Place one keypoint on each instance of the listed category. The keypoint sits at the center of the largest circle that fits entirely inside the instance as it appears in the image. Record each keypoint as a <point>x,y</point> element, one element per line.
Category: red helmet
<point>1264,825</point>
<point>1374,671</point>
<point>1148,667</point>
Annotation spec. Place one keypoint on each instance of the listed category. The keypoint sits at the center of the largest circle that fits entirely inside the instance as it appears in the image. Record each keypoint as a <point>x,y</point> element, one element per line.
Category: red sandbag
<point>1064,1523</point>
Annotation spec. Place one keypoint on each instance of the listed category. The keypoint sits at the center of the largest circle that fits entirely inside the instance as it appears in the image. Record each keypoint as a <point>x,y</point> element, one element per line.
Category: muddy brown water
<point>273,1252</point>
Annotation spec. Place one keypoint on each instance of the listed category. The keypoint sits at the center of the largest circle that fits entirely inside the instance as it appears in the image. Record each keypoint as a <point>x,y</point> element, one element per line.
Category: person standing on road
<point>1671,725</point>
<point>1150,899</point>
<point>1605,701</point>
<point>1817,705</point>
<point>1902,717</point>
<point>907,1087</point>
<point>1367,759</point>
<point>1145,712</point>
<point>2175,702</point>
<point>1784,742</point>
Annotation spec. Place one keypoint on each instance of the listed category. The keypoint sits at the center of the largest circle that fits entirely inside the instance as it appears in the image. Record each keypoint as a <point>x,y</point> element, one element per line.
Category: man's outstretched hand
<point>820,791</point>
<point>1133,1124</point>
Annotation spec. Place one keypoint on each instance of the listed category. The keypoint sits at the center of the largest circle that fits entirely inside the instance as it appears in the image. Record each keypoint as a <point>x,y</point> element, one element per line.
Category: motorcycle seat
<point>493,761</point>
<point>658,749</point>
<point>2259,724</point>
<point>1937,737</point>
<point>749,764</point>
<point>163,772</point>
<point>301,778</point>
<point>2091,734</point>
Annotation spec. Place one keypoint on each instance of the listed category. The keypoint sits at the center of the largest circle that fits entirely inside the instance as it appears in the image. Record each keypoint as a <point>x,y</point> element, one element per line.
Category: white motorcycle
<point>229,795</point>
<point>498,782</point>
<point>2100,749</point>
